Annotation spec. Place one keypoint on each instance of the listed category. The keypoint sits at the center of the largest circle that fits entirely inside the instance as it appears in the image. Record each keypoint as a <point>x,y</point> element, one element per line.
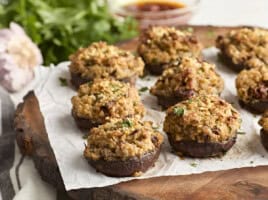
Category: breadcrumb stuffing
<point>161,45</point>
<point>103,99</point>
<point>252,84</point>
<point>202,119</point>
<point>100,60</point>
<point>188,76</point>
<point>121,139</point>
<point>247,47</point>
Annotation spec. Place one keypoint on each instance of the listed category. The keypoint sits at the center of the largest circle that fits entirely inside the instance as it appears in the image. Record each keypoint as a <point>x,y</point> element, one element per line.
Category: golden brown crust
<point>103,99</point>
<point>100,60</point>
<point>202,119</point>
<point>245,47</point>
<point>122,139</point>
<point>252,85</point>
<point>188,78</point>
<point>161,45</point>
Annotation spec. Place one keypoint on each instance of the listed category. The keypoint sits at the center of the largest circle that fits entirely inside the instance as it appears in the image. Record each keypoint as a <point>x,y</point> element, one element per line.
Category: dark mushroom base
<point>264,138</point>
<point>120,168</point>
<point>84,124</point>
<point>229,63</point>
<point>258,107</point>
<point>77,80</point>
<point>201,150</point>
<point>156,69</point>
<point>166,102</point>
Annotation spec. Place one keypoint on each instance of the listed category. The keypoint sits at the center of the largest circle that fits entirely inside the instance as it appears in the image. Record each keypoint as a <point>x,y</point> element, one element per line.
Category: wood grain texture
<point>244,183</point>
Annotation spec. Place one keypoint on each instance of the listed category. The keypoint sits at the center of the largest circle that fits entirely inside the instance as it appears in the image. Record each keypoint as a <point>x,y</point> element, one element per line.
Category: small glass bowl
<point>171,17</point>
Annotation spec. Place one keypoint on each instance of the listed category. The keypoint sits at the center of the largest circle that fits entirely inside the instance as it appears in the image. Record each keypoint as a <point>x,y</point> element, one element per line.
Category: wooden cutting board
<point>244,183</point>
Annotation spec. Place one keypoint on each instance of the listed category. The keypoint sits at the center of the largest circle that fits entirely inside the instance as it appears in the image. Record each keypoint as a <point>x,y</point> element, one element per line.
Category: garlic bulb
<point>18,57</point>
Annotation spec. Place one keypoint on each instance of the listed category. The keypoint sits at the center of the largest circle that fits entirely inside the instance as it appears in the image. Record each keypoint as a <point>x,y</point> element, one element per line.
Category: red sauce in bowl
<point>152,6</point>
<point>159,12</point>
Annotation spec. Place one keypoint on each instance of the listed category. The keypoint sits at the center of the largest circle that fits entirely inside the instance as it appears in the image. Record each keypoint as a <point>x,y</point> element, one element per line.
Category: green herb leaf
<point>63,81</point>
<point>178,111</point>
<point>115,88</point>
<point>143,89</point>
<point>127,123</point>
<point>210,33</point>
<point>90,83</point>
<point>241,132</point>
<point>61,27</point>
<point>189,29</point>
<point>193,164</point>
<point>85,136</point>
<point>154,60</point>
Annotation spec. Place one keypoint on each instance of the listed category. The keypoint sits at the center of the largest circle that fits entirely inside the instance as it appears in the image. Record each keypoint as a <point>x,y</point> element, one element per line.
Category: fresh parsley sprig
<point>60,27</point>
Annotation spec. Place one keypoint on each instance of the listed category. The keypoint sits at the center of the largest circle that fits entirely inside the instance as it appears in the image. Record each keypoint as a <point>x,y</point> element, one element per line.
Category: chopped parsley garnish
<point>178,111</point>
<point>189,29</point>
<point>143,89</point>
<point>98,96</point>
<point>193,164</point>
<point>241,132</point>
<point>127,123</point>
<point>85,136</point>
<point>145,77</point>
<point>63,81</point>
<point>154,61</point>
<point>90,83</point>
<point>211,34</point>
<point>115,87</point>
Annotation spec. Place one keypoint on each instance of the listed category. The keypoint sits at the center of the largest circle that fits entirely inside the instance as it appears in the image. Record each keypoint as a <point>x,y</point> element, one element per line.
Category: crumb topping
<point>264,121</point>
<point>160,45</point>
<point>246,47</point>
<point>121,139</point>
<point>202,119</point>
<point>252,84</point>
<point>188,78</point>
<point>104,99</point>
<point>100,60</point>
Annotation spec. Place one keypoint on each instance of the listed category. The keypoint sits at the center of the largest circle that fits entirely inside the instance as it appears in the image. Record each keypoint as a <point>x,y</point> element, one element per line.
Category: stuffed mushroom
<point>123,147</point>
<point>102,99</point>
<point>100,60</point>
<point>160,46</point>
<point>203,126</point>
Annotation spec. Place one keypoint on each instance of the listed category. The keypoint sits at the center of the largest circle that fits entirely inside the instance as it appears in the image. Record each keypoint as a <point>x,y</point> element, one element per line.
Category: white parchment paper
<point>68,144</point>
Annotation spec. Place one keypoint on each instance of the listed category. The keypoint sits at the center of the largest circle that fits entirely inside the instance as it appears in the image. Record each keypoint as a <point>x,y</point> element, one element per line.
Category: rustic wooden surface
<point>243,183</point>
